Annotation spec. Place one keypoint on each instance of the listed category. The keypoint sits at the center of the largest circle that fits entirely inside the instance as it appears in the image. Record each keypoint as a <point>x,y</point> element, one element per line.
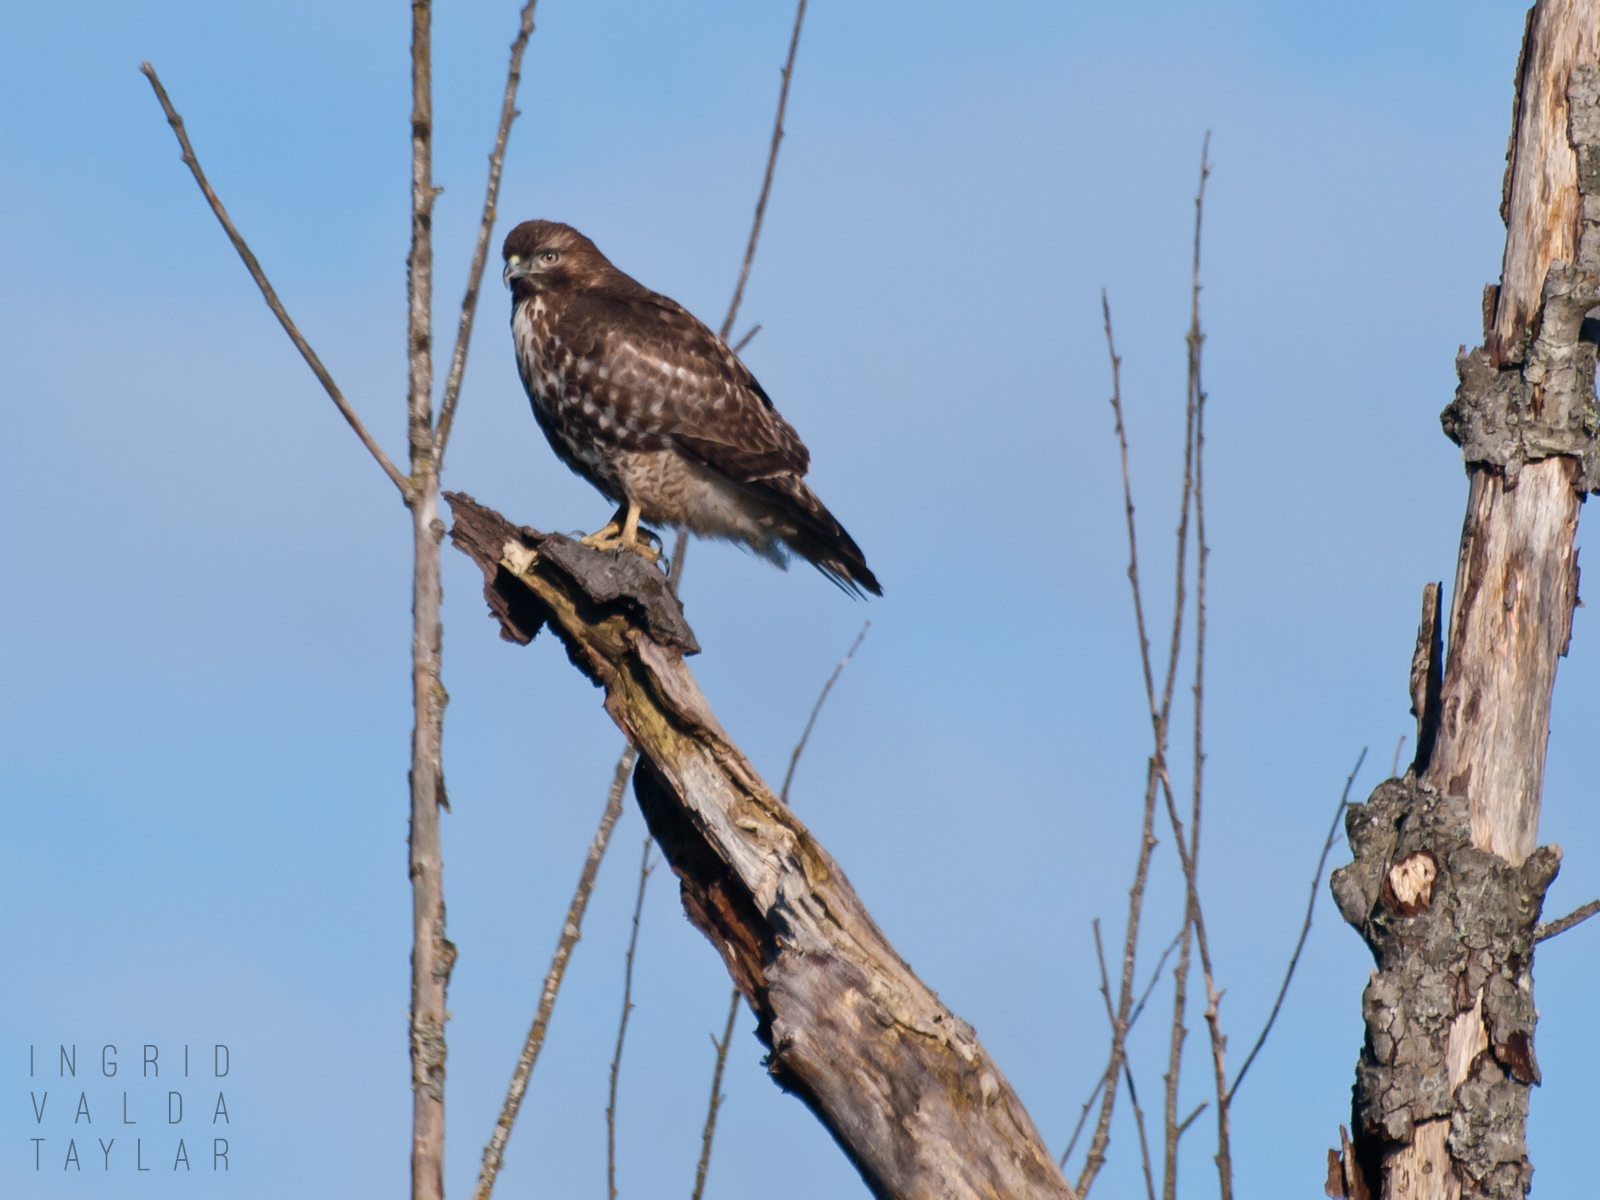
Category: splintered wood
<point>1516,584</point>
<point>1409,886</point>
<point>1540,205</point>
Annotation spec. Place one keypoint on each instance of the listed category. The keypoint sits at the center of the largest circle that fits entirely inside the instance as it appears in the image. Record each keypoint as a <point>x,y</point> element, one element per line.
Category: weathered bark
<point>1448,878</point>
<point>900,1082</point>
<point>1451,926</point>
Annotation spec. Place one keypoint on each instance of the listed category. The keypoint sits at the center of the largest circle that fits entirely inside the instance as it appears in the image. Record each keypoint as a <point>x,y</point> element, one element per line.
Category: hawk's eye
<point>548,256</point>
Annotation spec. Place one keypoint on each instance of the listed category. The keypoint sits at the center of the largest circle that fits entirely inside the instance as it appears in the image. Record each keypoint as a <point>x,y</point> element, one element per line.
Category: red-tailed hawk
<point>651,407</point>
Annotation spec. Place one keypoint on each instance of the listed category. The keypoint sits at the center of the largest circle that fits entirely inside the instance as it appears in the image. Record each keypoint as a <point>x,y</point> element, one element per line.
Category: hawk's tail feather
<point>819,538</point>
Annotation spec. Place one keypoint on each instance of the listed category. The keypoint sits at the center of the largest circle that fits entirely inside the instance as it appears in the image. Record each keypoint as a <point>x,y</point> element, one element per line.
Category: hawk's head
<point>547,254</point>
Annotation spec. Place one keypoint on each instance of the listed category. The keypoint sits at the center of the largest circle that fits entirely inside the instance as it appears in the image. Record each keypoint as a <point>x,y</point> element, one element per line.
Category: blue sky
<point>203,743</point>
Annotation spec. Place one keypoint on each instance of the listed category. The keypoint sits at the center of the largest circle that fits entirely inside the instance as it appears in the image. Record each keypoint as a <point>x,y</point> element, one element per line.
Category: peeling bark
<point>902,1084</point>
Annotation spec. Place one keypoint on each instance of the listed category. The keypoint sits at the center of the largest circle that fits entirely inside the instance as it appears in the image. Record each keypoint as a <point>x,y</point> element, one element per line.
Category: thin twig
<point>1219,1041</point>
<point>733,1004</point>
<point>480,252</point>
<point>1082,1117</point>
<point>681,548</point>
<point>1127,501</point>
<point>429,438</point>
<point>710,1130</point>
<point>675,572</point>
<point>800,746</point>
<point>1155,977</point>
<point>571,931</point>
<point>1305,928</point>
<point>1138,1117</point>
<point>1105,979</point>
<point>766,181</point>
<point>622,1026</point>
<point>306,352</point>
<point>1158,716</point>
<point>1394,767</point>
<point>1127,1071</point>
<point>1189,1120</point>
<point>1178,1034</point>
<point>1133,1020</point>
<point>1576,917</point>
<point>1197,397</point>
<point>1195,406</point>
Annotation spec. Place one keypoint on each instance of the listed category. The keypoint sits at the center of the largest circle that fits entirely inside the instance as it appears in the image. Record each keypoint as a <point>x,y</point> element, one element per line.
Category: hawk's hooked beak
<point>516,269</point>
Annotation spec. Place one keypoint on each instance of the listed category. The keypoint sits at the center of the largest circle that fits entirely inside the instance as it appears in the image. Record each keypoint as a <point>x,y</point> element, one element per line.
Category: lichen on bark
<point>1471,943</point>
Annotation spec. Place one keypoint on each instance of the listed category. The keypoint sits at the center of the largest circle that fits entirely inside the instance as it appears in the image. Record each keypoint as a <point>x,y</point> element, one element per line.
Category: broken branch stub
<point>902,1084</point>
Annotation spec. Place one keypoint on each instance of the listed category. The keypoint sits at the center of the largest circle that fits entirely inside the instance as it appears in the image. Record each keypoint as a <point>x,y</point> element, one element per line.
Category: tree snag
<point>1448,878</point>
<point>901,1083</point>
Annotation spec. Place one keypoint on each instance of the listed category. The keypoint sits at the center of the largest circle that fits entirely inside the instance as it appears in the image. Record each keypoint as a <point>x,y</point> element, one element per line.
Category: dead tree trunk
<point>900,1082</point>
<point>1448,877</point>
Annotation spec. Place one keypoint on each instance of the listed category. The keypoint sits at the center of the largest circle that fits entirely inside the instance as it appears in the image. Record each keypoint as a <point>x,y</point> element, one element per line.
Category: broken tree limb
<point>902,1084</point>
<point>1448,878</point>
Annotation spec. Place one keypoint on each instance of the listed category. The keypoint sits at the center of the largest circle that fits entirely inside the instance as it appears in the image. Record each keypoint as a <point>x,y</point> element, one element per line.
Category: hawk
<point>655,410</point>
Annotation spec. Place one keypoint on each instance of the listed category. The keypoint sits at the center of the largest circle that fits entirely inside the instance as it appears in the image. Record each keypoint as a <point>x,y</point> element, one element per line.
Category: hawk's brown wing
<point>662,377</point>
<point>663,374</point>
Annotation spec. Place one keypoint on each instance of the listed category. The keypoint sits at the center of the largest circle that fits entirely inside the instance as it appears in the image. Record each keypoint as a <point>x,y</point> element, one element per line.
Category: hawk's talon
<point>622,532</point>
<point>607,537</point>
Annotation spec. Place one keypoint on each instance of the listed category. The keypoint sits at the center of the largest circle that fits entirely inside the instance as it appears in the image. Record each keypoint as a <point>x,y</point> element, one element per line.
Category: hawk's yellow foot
<point>622,532</point>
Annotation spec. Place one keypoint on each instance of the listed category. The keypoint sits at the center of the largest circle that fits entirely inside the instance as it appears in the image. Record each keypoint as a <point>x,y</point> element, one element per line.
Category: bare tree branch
<point>271,296</point>
<point>1176,1037</point>
<point>1158,717</point>
<point>622,1026</point>
<point>799,748</point>
<point>571,931</point>
<point>1194,406</point>
<point>1189,1120</point>
<point>480,252</point>
<point>675,572</point>
<point>1127,504</point>
<point>722,1047</point>
<point>1155,977</point>
<point>1187,853</point>
<point>1083,1116</point>
<point>1576,917</point>
<point>1196,342</point>
<point>766,182</point>
<point>1138,1118</point>
<point>1127,1071</point>
<point>710,1130</point>
<point>1305,928</point>
<point>679,550</point>
<point>432,954</point>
